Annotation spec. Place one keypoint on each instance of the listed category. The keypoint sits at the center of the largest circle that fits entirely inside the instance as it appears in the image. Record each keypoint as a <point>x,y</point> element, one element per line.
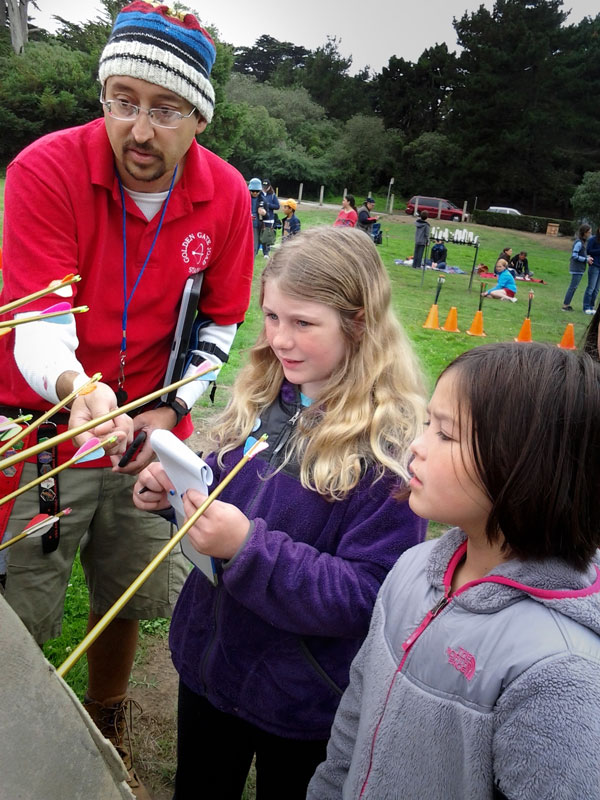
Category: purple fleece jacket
<point>274,640</point>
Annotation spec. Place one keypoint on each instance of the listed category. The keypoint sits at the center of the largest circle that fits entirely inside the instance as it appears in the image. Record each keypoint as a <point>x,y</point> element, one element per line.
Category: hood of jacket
<point>550,582</point>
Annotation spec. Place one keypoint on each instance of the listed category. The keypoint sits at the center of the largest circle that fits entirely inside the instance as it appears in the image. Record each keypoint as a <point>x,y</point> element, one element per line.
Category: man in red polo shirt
<point>135,206</point>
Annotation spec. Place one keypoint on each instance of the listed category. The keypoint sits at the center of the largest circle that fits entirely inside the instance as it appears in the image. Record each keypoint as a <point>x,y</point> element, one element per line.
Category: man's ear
<point>201,126</point>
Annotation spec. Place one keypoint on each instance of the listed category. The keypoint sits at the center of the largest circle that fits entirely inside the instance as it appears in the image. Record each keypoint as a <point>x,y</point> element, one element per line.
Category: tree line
<point>508,120</point>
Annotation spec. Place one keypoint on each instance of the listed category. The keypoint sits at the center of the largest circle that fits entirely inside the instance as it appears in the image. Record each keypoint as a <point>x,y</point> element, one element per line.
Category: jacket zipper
<point>285,434</point>
<point>441,605</point>
<point>431,615</point>
<point>406,646</point>
<point>213,640</point>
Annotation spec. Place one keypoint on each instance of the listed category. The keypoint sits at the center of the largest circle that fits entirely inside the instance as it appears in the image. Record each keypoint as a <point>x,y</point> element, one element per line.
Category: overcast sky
<point>369,31</point>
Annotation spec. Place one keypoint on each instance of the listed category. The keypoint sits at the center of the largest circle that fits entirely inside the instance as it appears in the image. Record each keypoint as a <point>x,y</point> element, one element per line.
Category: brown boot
<point>114,722</point>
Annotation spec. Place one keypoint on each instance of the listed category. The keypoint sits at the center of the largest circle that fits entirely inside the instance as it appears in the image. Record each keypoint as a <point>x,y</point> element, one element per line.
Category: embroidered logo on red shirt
<point>195,251</point>
<point>463,661</point>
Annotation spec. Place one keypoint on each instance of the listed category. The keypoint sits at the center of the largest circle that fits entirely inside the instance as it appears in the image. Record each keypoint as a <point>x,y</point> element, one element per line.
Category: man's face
<point>370,206</point>
<point>146,155</point>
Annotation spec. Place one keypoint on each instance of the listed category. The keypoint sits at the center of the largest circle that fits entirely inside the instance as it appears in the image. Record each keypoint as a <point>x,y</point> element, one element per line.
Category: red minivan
<point>431,205</point>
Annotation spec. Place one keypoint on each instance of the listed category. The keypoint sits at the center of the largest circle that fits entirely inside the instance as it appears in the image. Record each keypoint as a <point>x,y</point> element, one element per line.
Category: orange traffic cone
<point>451,324</point>
<point>432,318</point>
<point>476,328</point>
<point>568,338</point>
<point>525,332</point>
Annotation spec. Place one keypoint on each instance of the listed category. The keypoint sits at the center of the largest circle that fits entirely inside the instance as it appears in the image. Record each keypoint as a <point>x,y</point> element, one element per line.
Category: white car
<point>504,210</point>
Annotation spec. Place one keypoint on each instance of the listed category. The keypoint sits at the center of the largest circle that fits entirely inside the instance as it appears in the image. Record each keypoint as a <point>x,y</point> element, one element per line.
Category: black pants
<point>418,256</point>
<point>215,751</point>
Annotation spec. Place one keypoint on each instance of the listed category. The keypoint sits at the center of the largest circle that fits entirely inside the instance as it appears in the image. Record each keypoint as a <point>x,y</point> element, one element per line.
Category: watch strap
<point>179,407</point>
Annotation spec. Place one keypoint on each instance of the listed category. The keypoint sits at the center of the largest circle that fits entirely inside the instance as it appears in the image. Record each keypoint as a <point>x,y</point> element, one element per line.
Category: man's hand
<point>220,531</point>
<point>87,407</point>
<point>163,418</point>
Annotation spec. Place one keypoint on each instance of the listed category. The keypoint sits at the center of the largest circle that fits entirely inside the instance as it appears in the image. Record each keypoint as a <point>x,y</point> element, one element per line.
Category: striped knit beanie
<point>164,47</point>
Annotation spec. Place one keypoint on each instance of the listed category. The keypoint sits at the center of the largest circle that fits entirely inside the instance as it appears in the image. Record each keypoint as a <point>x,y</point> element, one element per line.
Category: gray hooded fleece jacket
<point>421,231</point>
<point>493,691</point>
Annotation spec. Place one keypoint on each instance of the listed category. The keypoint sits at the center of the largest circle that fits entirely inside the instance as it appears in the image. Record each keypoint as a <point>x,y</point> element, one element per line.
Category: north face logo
<point>463,661</point>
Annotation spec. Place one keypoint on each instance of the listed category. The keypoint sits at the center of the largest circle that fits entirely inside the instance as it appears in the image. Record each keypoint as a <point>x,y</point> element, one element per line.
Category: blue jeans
<point>575,281</point>
<point>591,292</point>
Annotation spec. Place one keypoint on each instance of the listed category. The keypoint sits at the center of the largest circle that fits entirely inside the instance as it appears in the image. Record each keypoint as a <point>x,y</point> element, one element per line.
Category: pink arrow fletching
<point>80,455</point>
<point>204,365</point>
<point>5,424</point>
<point>37,520</point>
<point>41,528</point>
<point>62,306</point>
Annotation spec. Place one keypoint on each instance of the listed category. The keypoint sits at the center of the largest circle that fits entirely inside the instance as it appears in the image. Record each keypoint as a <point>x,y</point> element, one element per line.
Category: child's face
<point>305,336</point>
<point>287,211</point>
<point>443,487</point>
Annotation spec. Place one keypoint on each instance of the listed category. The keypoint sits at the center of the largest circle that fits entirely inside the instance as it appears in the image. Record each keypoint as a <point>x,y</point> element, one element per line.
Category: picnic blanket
<point>408,262</point>
<point>491,276</point>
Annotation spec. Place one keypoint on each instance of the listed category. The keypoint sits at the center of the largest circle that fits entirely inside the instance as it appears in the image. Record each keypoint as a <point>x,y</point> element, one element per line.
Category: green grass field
<point>413,294</point>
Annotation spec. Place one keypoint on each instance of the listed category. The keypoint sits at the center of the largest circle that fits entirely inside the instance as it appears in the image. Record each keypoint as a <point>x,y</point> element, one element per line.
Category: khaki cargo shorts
<point>116,542</point>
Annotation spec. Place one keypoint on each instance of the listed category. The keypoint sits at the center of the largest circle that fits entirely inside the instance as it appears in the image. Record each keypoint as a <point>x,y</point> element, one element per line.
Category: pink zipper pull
<point>431,614</point>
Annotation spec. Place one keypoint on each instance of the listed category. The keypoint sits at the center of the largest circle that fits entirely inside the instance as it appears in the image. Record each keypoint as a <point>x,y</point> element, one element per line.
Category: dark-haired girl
<point>480,677</point>
<point>505,255</point>
<point>348,215</point>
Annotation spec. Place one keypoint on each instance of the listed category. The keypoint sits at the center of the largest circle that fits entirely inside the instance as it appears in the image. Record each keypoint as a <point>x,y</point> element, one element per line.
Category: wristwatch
<point>179,407</point>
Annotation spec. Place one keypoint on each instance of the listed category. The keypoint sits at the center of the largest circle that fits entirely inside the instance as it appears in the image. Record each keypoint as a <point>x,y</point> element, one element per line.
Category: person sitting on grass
<point>505,255</point>
<point>439,254</point>
<point>506,288</point>
<point>520,265</point>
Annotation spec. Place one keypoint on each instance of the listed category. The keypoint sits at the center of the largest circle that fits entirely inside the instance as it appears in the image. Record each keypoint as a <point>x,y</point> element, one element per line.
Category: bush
<point>566,227</point>
<point>586,199</point>
<point>47,88</point>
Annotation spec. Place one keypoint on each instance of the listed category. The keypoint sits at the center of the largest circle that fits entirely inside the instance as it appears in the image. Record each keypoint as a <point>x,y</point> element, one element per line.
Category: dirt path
<point>154,686</point>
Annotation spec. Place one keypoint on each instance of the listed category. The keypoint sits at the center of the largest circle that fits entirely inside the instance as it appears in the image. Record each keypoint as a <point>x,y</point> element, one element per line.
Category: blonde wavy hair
<point>373,405</point>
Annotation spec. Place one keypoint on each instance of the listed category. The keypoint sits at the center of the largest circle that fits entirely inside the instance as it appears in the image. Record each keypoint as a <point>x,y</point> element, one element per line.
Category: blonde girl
<point>306,532</point>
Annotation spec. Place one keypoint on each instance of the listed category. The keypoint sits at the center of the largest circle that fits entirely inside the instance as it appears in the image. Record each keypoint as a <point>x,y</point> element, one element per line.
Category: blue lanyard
<point>127,300</point>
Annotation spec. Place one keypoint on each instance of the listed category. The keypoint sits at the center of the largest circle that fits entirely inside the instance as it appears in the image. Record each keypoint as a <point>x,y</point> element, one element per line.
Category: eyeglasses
<point>160,117</point>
